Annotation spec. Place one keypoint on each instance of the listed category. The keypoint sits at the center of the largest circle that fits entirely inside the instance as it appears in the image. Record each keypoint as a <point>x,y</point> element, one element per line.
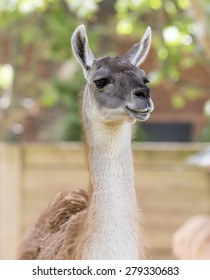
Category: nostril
<point>140,93</point>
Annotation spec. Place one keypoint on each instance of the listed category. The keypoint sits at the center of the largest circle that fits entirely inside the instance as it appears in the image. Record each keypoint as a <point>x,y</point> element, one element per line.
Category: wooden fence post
<point>10,199</point>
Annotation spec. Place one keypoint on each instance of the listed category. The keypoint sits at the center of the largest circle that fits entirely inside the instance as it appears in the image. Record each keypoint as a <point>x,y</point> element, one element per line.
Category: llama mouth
<point>138,115</point>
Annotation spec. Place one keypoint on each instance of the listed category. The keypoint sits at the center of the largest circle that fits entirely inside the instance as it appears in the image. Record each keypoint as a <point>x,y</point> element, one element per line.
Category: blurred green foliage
<point>173,32</point>
<point>38,32</point>
<point>70,125</point>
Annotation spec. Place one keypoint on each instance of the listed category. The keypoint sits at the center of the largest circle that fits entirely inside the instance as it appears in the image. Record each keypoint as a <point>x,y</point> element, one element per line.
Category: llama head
<point>116,87</point>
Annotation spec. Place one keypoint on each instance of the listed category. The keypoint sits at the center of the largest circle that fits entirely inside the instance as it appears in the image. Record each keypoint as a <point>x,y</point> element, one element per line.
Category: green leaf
<point>178,101</point>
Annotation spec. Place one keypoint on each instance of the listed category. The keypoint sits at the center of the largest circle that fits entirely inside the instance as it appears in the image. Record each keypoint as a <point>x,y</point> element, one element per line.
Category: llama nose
<point>141,92</point>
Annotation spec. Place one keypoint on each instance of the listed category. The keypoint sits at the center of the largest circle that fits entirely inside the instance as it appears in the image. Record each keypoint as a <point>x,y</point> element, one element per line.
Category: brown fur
<point>53,236</point>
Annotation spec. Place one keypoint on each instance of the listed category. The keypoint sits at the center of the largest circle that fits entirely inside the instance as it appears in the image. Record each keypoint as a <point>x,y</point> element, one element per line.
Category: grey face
<point>116,86</point>
<point>120,87</point>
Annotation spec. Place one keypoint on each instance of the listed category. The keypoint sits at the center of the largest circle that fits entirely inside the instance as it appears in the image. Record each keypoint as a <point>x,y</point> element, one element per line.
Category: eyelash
<point>101,83</point>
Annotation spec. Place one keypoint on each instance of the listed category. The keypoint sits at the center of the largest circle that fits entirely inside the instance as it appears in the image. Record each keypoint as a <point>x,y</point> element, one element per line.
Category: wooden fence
<point>169,191</point>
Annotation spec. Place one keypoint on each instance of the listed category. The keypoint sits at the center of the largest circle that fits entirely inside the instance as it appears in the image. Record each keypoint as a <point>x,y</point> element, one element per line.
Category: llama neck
<point>111,229</point>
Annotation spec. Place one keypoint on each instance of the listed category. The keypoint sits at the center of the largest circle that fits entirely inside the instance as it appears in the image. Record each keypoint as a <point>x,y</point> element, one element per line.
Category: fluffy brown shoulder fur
<point>56,231</point>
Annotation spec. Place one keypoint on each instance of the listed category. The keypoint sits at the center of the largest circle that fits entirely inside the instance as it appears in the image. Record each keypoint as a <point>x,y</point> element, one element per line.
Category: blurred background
<point>40,128</point>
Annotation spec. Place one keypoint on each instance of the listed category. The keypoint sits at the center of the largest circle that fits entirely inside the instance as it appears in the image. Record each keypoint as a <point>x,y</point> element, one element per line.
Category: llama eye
<point>101,83</point>
<point>145,81</point>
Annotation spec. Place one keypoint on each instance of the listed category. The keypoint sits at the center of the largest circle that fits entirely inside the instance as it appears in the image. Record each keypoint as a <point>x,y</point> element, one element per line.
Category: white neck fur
<point>111,229</point>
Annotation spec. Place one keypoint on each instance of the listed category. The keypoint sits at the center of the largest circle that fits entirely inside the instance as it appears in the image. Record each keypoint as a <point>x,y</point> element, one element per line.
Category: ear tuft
<point>81,47</point>
<point>139,51</point>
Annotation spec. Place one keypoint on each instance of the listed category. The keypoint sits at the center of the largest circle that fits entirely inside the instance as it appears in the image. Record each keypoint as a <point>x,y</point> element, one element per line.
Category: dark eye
<point>145,81</point>
<point>101,83</point>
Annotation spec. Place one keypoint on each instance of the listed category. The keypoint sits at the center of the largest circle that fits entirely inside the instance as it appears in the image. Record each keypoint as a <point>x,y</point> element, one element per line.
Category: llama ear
<point>81,49</point>
<point>139,51</point>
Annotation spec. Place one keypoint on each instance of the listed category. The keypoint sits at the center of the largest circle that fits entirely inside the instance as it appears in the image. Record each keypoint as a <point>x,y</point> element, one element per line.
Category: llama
<point>105,223</point>
<point>192,240</point>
